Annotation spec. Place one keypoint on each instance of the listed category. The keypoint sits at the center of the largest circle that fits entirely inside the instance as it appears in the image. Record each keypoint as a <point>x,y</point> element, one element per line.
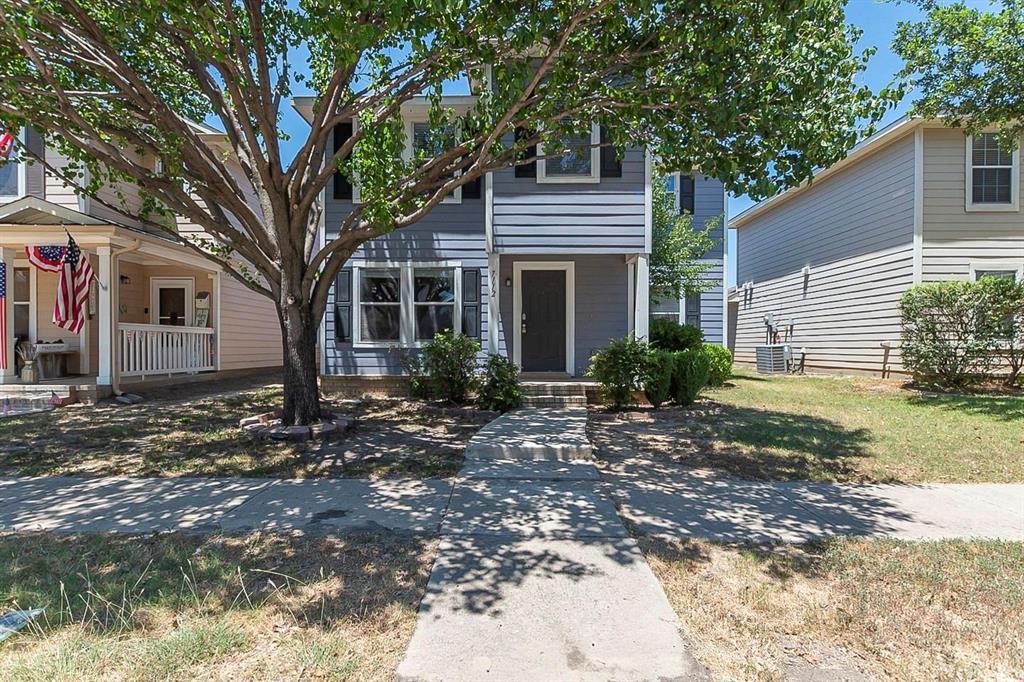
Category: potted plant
<point>27,352</point>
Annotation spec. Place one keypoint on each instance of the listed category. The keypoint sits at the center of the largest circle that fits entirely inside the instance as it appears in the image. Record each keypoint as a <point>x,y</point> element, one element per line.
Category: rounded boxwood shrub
<point>720,364</point>
<point>657,377</point>
<point>670,335</point>
<point>619,368</point>
<point>500,389</point>
<point>691,371</point>
<point>449,361</point>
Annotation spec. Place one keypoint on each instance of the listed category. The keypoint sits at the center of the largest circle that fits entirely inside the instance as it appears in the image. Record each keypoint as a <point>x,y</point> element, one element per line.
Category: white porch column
<point>642,305</point>
<point>7,373</point>
<point>493,294</point>
<point>108,285</point>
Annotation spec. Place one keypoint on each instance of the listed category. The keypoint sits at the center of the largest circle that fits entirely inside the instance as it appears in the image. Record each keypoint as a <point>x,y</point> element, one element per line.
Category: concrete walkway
<point>538,434</point>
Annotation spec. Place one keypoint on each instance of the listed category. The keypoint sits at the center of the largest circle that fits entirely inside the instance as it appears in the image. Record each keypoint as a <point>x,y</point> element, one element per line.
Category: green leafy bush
<point>1005,320</point>
<point>949,333</point>
<point>619,369</point>
<point>670,335</point>
<point>657,378</point>
<point>692,369</point>
<point>720,364</point>
<point>449,361</point>
<point>500,389</point>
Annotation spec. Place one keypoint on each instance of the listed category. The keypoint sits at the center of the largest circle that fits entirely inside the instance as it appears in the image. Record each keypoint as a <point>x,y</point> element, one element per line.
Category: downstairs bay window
<point>407,304</point>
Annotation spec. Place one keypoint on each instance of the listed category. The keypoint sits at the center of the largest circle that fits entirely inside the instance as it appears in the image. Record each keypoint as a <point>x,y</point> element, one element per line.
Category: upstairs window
<point>683,191</point>
<point>12,178</point>
<point>579,159</point>
<point>992,175</point>
<point>429,142</point>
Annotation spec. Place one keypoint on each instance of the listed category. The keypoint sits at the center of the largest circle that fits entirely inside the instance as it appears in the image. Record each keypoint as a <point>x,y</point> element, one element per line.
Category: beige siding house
<point>826,263</point>
<point>158,311</point>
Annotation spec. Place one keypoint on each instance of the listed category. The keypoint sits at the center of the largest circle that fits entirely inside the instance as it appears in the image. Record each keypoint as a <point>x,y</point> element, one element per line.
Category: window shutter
<point>611,164</point>
<point>343,307</point>
<point>471,190</point>
<point>528,170</point>
<point>471,303</point>
<point>686,193</point>
<point>342,186</point>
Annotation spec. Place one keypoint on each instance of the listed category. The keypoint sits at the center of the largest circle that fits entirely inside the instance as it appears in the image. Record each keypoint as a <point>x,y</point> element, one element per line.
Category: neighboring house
<point>828,261</point>
<point>543,263</point>
<point>157,309</point>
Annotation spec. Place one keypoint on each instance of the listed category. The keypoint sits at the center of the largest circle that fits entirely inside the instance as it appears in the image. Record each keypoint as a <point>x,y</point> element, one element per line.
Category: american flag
<point>72,289</point>
<point>49,258</point>
<point>3,316</point>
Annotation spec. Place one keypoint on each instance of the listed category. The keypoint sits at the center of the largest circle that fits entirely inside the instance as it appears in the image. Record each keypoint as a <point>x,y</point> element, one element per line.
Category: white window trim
<point>157,283</point>
<point>407,319</point>
<point>677,192</point>
<point>410,126</point>
<point>983,266</point>
<point>570,308</point>
<point>969,204</point>
<point>33,320</point>
<point>595,163</point>
<point>22,175</point>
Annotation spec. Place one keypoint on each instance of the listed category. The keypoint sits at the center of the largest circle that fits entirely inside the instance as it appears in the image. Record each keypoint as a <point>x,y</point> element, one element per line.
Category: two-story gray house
<point>826,263</point>
<point>544,263</point>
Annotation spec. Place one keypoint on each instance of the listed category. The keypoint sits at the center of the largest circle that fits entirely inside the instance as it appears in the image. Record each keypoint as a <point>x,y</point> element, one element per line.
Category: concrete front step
<point>554,388</point>
<point>554,401</point>
<point>552,434</point>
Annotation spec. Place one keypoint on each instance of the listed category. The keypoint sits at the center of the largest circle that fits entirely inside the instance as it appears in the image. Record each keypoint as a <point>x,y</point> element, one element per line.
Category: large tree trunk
<point>301,392</point>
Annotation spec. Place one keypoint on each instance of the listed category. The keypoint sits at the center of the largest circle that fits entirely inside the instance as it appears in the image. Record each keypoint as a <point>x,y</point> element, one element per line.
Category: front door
<point>542,326</point>
<point>172,301</point>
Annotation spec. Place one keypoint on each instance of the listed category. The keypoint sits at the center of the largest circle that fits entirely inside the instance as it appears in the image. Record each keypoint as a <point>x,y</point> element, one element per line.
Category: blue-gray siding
<point>604,217</point>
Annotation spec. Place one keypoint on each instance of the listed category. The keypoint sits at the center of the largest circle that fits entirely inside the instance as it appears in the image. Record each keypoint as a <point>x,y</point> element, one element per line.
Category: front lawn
<point>179,607</point>
<point>823,429</point>
<point>193,431</point>
<point>850,609</point>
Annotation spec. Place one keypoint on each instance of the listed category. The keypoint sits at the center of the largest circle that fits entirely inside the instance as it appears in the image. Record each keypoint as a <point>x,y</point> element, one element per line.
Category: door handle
<point>524,327</point>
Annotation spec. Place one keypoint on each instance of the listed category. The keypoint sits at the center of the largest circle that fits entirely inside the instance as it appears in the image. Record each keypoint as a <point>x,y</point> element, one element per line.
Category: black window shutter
<point>611,164</point>
<point>527,170</point>
<point>471,303</point>
<point>472,190</point>
<point>342,186</point>
<point>343,306</point>
<point>686,193</point>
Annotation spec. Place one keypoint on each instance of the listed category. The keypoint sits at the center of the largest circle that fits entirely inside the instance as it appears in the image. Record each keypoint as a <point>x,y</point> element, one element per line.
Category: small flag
<point>72,289</point>
<point>55,399</point>
<point>3,316</point>
<point>6,144</point>
<point>49,258</point>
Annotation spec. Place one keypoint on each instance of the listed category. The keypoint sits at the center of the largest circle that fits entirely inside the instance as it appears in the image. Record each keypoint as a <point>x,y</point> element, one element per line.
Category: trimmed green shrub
<point>500,389</point>
<point>948,335</point>
<point>449,360</point>
<point>619,369</point>
<point>657,378</point>
<point>692,369</point>
<point>1005,318</point>
<point>720,364</point>
<point>670,335</point>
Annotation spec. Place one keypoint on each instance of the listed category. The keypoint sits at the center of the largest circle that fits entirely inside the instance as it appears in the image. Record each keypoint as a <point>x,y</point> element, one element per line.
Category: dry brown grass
<point>854,608</point>
<point>195,432</point>
<point>178,607</point>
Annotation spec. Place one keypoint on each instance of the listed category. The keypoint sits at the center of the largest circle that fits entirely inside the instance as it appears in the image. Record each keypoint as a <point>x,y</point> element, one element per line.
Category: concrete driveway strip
<point>127,505</point>
<point>344,505</point>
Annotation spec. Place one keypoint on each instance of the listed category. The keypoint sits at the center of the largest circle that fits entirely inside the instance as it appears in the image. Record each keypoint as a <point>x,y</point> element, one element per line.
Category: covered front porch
<point>152,312</point>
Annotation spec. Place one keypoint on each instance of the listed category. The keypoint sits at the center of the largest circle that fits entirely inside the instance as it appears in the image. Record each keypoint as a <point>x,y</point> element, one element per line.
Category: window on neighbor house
<point>667,308</point>
<point>579,160</point>
<point>992,178</point>
<point>692,310</point>
<point>10,180</point>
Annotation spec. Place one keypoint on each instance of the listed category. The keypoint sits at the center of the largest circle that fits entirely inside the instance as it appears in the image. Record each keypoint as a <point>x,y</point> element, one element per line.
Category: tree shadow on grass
<point>739,441</point>
<point>1003,408</point>
<point>120,583</point>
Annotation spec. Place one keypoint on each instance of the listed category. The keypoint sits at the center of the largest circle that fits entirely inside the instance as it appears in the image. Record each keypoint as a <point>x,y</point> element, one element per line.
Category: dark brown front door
<point>543,321</point>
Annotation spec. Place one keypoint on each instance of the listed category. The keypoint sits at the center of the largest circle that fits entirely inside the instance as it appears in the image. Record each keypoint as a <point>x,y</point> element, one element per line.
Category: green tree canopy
<point>754,93</point>
<point>967,65</point>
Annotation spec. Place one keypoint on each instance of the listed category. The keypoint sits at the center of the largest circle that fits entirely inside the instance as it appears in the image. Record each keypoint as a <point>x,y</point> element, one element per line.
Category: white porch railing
<point>148,349</point>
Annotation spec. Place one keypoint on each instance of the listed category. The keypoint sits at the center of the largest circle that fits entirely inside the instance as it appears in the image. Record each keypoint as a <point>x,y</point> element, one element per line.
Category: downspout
<point>115,369</point>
